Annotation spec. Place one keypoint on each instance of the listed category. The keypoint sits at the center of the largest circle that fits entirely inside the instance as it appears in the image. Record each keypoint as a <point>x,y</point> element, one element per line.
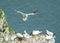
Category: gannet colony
<point>7,35</point>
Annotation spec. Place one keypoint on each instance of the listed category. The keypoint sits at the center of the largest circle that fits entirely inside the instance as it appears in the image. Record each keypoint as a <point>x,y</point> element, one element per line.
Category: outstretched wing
<point>35,11</point>
<point>19,12</point>
<point>31,14</point>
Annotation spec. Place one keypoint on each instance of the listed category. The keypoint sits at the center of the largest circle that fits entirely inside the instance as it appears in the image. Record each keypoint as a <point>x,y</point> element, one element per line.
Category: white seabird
<point>49,33</point>
<point>26,35</point>
<point>19,35</point>
<point>36,32</point>
<point>25,15</point>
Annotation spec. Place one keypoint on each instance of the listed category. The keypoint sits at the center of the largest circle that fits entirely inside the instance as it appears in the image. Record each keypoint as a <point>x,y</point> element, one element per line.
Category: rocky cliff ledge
<point>7,35</point>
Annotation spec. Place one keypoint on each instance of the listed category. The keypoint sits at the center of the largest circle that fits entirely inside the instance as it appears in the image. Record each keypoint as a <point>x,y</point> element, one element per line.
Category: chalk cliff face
<point>7,35</point>
<point>3,24</point>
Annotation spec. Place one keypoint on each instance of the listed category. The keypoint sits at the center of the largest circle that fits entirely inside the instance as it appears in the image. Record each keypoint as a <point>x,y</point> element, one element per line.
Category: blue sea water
<point>47,18</point>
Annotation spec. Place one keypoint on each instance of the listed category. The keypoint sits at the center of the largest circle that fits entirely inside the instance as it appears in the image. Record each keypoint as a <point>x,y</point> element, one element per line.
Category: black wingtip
<point>36,11</point>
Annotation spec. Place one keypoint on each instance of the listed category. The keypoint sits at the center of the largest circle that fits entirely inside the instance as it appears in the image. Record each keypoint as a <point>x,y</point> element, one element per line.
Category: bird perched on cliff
<point>49,35</point>
<point>19,35</point>
<point>25,15</point>
<point>26,35</point>
<point>36,32</point>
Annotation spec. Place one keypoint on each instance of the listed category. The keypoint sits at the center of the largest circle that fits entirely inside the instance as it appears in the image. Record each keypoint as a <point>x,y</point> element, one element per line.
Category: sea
<point>48,17</point>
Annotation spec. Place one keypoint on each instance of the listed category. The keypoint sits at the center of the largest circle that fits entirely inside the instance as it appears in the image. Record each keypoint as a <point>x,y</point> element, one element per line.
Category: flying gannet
<point>25,15</point>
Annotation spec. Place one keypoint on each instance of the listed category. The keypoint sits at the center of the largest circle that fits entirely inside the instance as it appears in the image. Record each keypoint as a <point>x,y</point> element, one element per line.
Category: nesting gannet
<point>26,35</point>
<point>19,35</point>
<point>26,32</point>
<point>36,32</point>
<point>49,33</point>
<point>25,15</point>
